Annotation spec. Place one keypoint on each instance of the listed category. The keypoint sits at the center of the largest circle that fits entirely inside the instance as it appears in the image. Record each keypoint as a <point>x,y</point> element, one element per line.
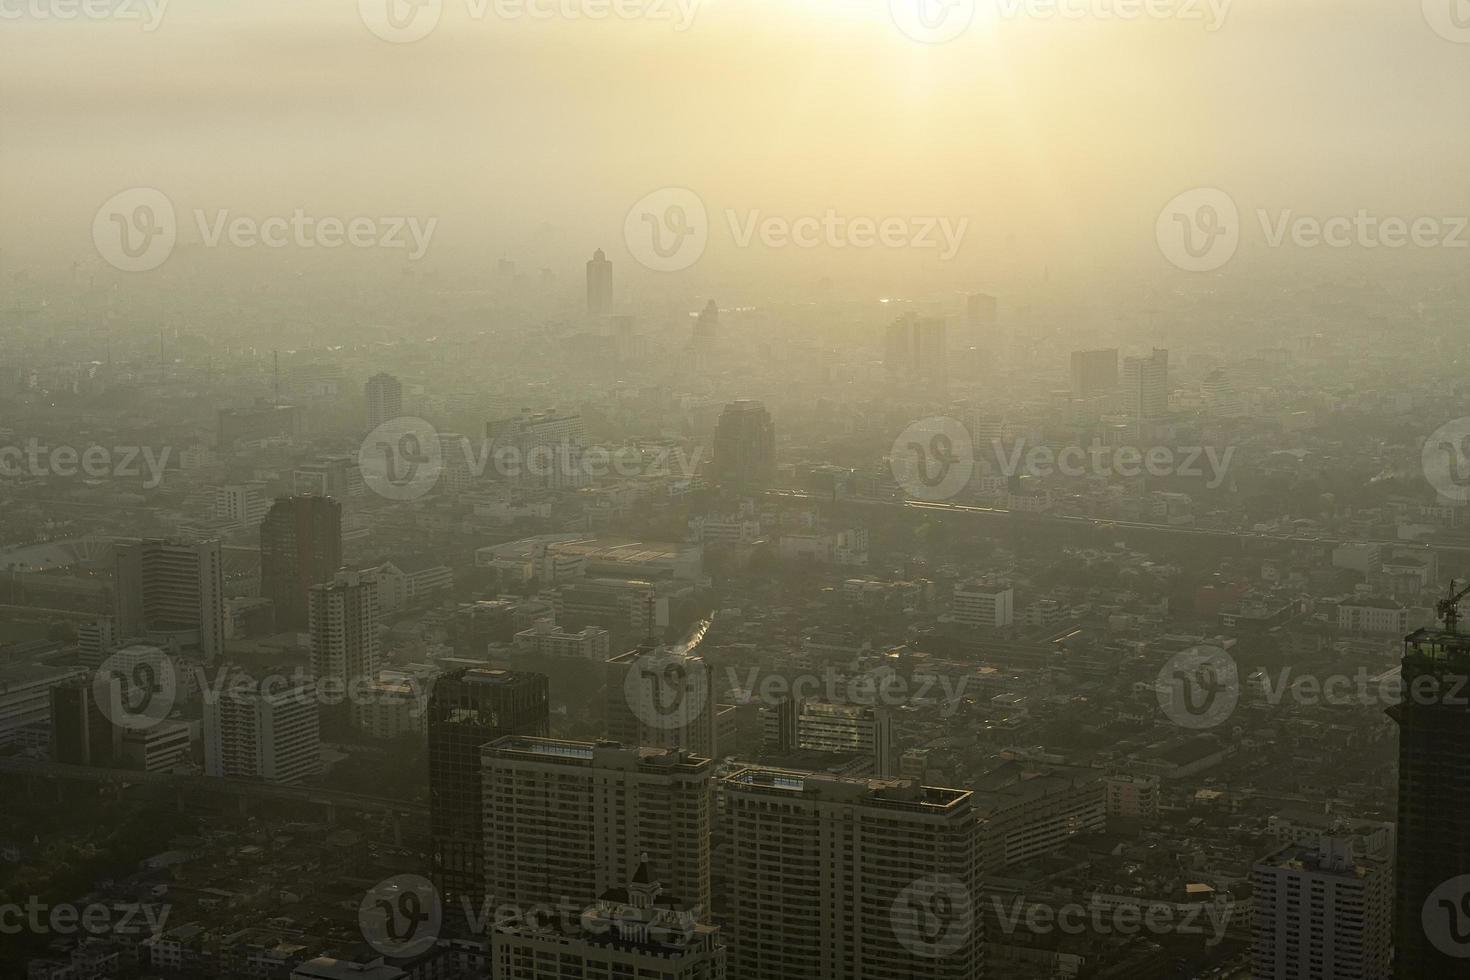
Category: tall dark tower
<point>599,285</point>
<point>745,446</point>
<point>1433,844</point>
<point>466,710</point>
<point>300,546</point>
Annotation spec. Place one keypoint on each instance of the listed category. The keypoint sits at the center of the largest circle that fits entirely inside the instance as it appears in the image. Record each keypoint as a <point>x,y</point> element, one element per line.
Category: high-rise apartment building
<point>565,821</point>
<point>300,546</point>
<point>263,733</point>
<point>599,284</point>
<point>917,349</point>
<point>384,394</point>
<point>468,709</point>
<point>1094,372</point>
<point>1145,385</point>
<point>1433,840</point>
<point>745,446</point>
<point>840,878</point>
<point>1321,912</point>
<point>172,590</point>
<point>81,733</point>
<point>663,698</point>
<point>343,629</point>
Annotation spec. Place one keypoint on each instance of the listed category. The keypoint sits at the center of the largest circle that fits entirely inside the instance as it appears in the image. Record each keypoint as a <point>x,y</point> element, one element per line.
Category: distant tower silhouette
<point>599,284</point>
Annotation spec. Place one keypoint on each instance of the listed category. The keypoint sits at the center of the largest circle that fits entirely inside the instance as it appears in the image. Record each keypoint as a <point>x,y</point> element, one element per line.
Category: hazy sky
<point>1057,139</point>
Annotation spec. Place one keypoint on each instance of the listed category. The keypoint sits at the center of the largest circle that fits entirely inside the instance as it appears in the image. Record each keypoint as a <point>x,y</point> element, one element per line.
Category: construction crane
<point>1448,609</point>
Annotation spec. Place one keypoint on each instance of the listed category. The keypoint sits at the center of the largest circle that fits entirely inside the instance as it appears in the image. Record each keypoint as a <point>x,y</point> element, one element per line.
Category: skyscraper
<point>840,877</point>
<point>745,446</point>
<point>469,709</point>
<point>663,698</point>
<point>1432,850</point>
<point>171,589</point>
<point>565,821</point>
<point>1094,372</point>
<point>917,349</point>
<point>343,630</point>
<point>300,546</point>
<point>1321,913</point>
<point>599,284</point>
<point>1145,386</point>
<point>384,399</point>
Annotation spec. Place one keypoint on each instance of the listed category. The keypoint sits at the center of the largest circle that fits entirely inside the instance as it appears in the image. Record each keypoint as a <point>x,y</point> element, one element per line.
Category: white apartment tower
<point>566,821</point>
<point>1322,913</point>
<point>273,736</point>
<point>845,878</point>
<point>343,628</point>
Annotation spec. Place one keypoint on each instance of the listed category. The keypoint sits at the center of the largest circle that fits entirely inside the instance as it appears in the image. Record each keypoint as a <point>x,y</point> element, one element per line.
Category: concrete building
<point>548,640</point>
<point>745,446</point>
<point>1321,913</point>
<point>981,606</point>
<point>343,629</point>
<point>661,697</point>
<point>300,546</point>
<point>270,735</point>
<point>566,821</point>
<point>831,877</point>
<point>628,932</point>
<point>1145,385</point>
<point>170,592</point>
<point>384,395</point>
<point>825,727</point>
